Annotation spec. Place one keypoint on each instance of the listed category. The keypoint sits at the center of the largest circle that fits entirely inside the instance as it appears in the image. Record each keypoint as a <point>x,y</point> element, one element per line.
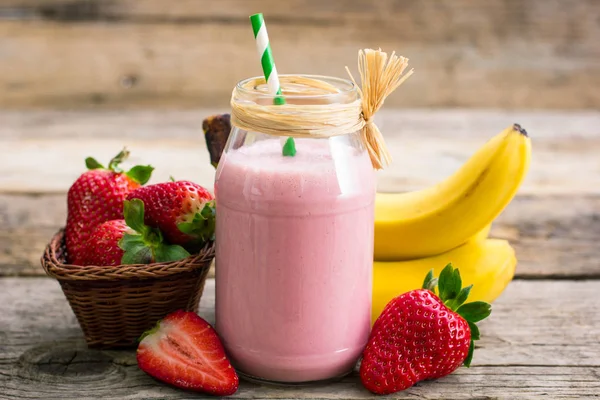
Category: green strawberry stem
<point>202,225</point>
<point>453,295</point>
<point>430,282</point>
<point>140,173</point>
<point>113,164</point>
<point>146,244</point>
<point>150,331</point>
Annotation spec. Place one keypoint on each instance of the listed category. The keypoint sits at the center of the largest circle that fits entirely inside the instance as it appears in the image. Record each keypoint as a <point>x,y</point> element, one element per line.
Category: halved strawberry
<point>184,350</point>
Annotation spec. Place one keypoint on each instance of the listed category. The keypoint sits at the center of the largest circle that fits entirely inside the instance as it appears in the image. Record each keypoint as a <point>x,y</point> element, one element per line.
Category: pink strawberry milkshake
<point>294,258</point>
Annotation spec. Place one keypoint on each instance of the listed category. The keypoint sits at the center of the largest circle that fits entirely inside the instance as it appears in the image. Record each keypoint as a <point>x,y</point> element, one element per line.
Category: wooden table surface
<point>542,340</point>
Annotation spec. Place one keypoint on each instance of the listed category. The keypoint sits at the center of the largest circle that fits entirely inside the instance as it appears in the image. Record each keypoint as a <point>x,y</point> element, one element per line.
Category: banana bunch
<point>449,223</point>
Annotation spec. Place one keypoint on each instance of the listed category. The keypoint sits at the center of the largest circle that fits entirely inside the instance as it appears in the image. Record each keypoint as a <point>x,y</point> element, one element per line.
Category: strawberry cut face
<point>184,351</point>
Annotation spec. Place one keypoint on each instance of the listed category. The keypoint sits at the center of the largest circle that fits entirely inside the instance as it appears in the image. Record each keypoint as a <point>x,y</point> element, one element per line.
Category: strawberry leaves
<point>145,244</point>
<point>202,226</point>
<point>133,211</point>
<point>469,358</point>
<point>91,163</point>
<point>449,283</point>
<point>475,311</point>
<point>168,253</point>
<point>430,282</point>
<point>462,297</point>
<point>453,295</point>
<point>475,335</point>
<point>135,250</point>
<point>140,173</point>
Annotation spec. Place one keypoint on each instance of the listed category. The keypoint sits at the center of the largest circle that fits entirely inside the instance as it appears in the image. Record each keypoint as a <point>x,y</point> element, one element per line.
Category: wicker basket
<point>115,305</point>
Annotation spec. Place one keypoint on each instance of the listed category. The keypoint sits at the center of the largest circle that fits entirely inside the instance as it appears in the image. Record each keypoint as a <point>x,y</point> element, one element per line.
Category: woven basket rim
<point>60,271</point>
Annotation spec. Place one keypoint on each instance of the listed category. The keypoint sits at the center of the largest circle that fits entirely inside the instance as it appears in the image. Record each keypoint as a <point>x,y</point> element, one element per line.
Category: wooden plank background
<point>553,223</point>
<point>189,53</point>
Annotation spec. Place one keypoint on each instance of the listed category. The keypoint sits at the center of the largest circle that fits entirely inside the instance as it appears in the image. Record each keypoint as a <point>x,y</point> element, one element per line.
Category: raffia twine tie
<point>380,75</point>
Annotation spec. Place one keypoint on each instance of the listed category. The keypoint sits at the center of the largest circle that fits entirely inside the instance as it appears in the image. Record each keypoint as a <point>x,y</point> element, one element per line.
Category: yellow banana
<point>489,265</point>
<point>482,234</point>
<point>444,216</point>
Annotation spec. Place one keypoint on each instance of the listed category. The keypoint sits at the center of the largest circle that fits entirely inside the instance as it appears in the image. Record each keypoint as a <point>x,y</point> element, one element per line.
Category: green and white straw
<point>270,71</point>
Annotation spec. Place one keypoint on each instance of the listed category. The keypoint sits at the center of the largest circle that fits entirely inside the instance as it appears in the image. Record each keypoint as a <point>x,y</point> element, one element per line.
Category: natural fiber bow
<point>379,76</point>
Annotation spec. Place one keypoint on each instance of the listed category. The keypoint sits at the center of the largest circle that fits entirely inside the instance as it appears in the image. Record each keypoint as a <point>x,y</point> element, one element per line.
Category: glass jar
<point>294,252</point>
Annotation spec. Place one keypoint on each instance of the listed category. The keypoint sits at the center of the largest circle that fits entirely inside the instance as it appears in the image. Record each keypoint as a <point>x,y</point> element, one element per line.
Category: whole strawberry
<point>129,241</point>
<point>422,336</point>
<point>184,211</point>
<point>97,196</point>
<point>102,248</point>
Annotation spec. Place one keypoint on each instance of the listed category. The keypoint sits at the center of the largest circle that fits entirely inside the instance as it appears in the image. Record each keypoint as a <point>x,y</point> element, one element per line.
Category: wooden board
<point>427,146</point>
<point>128,53</point>
<point>541,340</point>
<point>553,224</point>
<point>551,239</point>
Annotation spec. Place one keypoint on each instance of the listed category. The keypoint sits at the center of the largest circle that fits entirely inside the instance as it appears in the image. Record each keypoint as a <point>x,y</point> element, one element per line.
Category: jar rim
<point>344,86</point>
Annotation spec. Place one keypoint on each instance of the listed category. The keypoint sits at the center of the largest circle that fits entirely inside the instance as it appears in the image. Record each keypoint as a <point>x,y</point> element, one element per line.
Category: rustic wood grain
<point>553,351</point>
<point>128,53</point>
<point>427,146</point>
<point>553,224</point>
<point>554,236</point>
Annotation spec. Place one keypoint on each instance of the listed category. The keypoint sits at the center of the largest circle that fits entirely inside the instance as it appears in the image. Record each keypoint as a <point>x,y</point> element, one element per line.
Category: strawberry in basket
<point>184,211</point>
<point>129,241</point>
<point>96,197</point>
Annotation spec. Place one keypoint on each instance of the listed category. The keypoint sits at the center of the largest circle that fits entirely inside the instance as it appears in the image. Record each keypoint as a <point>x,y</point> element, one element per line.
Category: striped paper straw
<point>268,65</point>
<point>266,56</point>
